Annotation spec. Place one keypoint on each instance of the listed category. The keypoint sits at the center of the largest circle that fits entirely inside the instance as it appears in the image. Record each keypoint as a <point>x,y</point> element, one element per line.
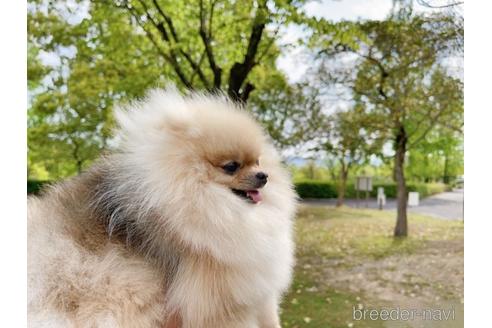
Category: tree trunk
<point>342,185</point>
<point>79,166</point>
<point>445,178</point>
<point>401,229</point>
<point>311,170</point>
<point>76,157</point>
<point>239,71</point>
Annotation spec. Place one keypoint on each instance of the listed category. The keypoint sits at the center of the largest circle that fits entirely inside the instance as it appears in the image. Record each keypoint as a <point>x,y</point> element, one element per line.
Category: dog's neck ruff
<point>126,219</point>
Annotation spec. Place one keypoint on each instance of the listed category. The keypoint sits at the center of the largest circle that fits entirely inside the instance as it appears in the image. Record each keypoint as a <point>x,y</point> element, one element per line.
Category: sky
<point>336,10</point>
<point>291,61</point>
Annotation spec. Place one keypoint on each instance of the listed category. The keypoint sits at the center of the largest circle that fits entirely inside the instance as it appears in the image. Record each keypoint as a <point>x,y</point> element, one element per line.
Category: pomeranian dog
<point>188,223</point>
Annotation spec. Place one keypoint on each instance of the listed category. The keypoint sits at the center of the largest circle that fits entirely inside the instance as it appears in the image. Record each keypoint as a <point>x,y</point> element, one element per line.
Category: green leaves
<point>69,118</point>
<point>290,113</point>
<point>117,50</point>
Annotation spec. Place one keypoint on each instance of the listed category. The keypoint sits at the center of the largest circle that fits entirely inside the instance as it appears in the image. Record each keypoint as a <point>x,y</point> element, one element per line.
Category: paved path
<point>447,205</point>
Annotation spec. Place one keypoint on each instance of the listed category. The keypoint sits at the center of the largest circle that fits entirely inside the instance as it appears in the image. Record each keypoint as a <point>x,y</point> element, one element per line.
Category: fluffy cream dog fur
<point>176,228</point>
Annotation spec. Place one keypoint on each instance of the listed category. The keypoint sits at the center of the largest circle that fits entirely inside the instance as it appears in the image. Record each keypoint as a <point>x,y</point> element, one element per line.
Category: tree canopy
<point>109,52</point>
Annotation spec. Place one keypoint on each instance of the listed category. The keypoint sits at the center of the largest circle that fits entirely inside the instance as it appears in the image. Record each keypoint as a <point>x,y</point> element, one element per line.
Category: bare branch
<point>248,88</point>
<point>200,61</point>
<point>207,40</point>
<point>432,124</point>
<point>168,20</point>
<point>196,67</point>
<point>339,48</point>
<point>269,45</point>
<point>427,4</point>
<point>171,58</point>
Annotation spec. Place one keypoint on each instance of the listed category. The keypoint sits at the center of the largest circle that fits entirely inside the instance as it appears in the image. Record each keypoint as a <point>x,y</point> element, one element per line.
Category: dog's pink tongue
<point>254,195</point>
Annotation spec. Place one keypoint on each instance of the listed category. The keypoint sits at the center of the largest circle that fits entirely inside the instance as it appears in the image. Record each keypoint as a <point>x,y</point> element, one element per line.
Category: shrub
<point>327,189</point>
<point>389,190</point>
<point>427,189</point>
<point>315,189</point>
<point>34,186</point>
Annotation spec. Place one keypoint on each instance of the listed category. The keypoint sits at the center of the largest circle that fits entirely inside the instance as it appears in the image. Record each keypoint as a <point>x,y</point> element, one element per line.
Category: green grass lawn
<point>333,242</point>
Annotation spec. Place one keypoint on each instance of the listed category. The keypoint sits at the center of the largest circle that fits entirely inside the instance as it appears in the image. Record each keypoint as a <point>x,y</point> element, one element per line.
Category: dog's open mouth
<point>253,195</point>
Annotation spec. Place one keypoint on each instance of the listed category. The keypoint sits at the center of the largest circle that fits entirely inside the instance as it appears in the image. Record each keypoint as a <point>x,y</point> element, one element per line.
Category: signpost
<point>363,183</point>
<point>381,198</point>
<point>413,198</point>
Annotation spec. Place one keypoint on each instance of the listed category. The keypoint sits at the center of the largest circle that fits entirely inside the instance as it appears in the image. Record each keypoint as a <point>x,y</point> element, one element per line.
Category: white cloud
<point>291,61</point>
<point>337,10</point>
<point>49,58</point>
<point>53,58</point>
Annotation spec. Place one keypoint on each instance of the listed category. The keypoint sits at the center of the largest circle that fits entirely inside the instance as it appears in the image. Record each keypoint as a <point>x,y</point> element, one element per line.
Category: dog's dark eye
<point>257,162</point>
<point>231,167</point>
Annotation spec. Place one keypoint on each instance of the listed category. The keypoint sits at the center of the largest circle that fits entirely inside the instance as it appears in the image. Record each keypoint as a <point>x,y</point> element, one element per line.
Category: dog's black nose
<point>262,176</point>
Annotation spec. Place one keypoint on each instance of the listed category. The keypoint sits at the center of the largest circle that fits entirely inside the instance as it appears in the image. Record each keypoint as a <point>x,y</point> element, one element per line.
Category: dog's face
<point>243,176</point>
<point>230,146</point>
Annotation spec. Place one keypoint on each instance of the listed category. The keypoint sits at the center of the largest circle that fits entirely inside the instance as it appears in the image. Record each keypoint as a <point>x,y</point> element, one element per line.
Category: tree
<point>437,158</point>
<point>346,137</point>
<point>212,45</point>
<point>451,8</point>
<point>399,79</point>
<point>350,142</point>
<point>291,114</point>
